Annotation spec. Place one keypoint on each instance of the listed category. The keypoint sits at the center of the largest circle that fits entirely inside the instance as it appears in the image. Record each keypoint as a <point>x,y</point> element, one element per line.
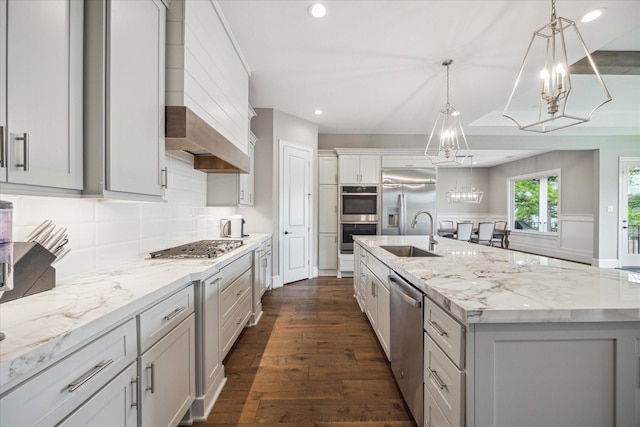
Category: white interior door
<point>295,200</point>
<point>630,213</point>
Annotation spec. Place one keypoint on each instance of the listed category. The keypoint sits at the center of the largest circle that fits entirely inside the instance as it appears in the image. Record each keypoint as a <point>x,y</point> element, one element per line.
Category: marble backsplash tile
<point>106,233</point>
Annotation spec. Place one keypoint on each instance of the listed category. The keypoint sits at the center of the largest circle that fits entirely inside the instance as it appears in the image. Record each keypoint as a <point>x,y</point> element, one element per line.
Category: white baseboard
<point>605,263</point>
<point>276,282</point>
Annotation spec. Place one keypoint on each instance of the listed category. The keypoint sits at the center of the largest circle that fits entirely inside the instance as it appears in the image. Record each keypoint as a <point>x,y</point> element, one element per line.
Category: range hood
<point>186,131</point>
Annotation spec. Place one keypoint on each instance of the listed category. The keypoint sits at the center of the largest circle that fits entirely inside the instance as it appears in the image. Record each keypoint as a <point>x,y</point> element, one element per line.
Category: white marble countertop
<point>481,284</point>
<point>44,327</point>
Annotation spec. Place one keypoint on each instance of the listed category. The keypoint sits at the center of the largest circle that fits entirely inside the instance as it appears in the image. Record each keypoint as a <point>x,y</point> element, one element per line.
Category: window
<point>534,201</point>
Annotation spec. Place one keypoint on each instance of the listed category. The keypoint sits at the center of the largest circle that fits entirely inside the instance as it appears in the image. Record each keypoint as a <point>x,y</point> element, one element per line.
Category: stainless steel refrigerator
<point>405,192</point>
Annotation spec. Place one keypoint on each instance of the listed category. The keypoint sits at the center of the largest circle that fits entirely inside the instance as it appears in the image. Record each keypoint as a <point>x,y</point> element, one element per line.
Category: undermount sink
<point>408,251</point>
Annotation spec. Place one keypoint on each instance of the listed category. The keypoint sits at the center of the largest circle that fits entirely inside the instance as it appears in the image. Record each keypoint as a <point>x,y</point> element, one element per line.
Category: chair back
<point>445,225</point>
<point>485,231</point>
<point>500,225</point>
<point>464,231</point>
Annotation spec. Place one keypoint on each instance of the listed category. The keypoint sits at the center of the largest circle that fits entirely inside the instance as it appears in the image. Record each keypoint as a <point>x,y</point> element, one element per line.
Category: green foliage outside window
<point>527,204</point>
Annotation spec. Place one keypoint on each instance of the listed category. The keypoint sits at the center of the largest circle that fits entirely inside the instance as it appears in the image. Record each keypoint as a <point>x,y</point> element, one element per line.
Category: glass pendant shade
<point>462,196</point>
<point>447,139</point>
<point>563,99</point>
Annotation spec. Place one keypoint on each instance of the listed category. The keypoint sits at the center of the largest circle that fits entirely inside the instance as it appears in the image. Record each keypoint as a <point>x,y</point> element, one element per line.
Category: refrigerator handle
<point>402,214</point>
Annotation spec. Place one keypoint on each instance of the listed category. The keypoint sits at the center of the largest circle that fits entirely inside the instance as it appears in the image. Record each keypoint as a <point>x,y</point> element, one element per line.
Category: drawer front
<point>56,392</point>
<point>444,381</point>
<point>231,272</point>
<point>235,322</point>
<point>444,330</point>
<point>433,416</point>
<point>380,270</point>
<point>157,321</point>
<point>232,294</point>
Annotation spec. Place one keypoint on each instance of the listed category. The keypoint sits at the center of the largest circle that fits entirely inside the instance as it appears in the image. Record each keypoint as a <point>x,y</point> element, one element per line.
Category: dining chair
<point>463,231</point>
<point>445,225</point>
<point>485,233</point>
<point>498,238</point>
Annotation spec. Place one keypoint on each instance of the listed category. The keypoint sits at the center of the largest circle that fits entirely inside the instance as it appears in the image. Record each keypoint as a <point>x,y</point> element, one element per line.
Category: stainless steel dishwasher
<point>407,361</point>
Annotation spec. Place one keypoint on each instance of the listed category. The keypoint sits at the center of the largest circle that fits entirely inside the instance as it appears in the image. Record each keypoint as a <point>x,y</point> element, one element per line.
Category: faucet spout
<point>432,240</point>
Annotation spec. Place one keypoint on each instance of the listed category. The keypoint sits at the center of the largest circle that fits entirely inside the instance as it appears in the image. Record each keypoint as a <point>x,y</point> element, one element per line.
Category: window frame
<point>511,200</point>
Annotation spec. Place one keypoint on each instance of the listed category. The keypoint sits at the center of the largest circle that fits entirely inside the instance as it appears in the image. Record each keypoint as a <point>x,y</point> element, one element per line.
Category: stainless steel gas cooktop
<point>201,249</point>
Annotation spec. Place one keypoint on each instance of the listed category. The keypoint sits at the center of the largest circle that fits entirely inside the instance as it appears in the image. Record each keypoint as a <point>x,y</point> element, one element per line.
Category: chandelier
<point>546,70</point>
<point>447,137</point>
<point>462,195</point>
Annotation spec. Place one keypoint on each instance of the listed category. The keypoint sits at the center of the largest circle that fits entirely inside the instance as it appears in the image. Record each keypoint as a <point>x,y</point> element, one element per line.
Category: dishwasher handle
<point>416,303</point>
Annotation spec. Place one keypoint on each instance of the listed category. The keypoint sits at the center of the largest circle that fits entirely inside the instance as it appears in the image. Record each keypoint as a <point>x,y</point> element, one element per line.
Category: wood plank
<point>313,360</point>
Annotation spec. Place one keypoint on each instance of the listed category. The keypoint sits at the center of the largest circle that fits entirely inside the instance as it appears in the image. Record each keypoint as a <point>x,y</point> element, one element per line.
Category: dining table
<point>503,235</point>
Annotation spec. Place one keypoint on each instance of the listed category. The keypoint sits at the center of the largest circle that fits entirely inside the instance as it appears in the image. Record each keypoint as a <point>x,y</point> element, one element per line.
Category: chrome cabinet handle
<point>25,144</point>
<point>437,379</point>
<point>134,392</point>
<point>151,377</point>
<point>74,385</point>
<point>3,149</point>
<point>164,178</point>
<point>241,194</point>
<point>438,329</point>
<point>174,313</point>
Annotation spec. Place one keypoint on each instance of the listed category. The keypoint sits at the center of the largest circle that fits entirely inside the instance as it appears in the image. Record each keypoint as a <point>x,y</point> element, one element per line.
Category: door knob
<point>286,232</point>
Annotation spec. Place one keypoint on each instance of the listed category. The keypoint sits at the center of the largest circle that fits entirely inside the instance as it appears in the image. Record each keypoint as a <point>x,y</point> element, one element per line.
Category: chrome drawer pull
<point>438,329</point>
<point>74,385</point>
<point>151,380</point>
<point>165,178</point>
<point>174,313</point>
<point>3,149</point>
<point>134,392</point>
<point>437,379</point>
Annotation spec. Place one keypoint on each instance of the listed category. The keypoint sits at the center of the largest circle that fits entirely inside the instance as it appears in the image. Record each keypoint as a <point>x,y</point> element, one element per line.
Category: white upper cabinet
<point>205,69</point>
<point>327,170</point>
<point>41,93</point>
<point>124,99</point>
<point>359,169</point>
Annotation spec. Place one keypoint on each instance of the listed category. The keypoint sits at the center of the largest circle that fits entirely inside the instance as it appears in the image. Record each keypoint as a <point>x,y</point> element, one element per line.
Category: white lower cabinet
<point>166,365</point>
<point>433,416</point>
<point>167,377</point>
<point>115,405</point>
<point>52,395</point>
<point>374,295</point>
<point>235,301</point>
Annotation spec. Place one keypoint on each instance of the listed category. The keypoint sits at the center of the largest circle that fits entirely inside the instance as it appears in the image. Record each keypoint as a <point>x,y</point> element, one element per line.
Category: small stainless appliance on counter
<point>200,249</point>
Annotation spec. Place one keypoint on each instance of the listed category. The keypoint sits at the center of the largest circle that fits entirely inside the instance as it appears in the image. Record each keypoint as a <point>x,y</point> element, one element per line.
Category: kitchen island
<point>542,342</point>
<point>119,317</point>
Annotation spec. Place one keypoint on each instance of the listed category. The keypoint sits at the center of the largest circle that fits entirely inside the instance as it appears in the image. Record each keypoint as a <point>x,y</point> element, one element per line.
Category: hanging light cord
<point>446,63</point>
<point>553,10</point>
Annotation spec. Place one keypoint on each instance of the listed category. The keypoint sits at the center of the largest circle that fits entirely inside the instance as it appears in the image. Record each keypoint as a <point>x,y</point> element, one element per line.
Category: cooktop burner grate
<point>201,249</point>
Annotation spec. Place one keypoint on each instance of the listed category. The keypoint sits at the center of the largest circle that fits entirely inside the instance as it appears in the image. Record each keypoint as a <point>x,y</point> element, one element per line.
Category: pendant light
<point>461,195</point>
<point>447,138</point>
<point>545,74</point>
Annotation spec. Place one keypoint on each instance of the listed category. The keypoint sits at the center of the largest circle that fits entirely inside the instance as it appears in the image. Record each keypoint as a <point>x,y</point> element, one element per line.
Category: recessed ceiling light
<point>592,15</point>
<point>317,112</point>
<point>317,10</point>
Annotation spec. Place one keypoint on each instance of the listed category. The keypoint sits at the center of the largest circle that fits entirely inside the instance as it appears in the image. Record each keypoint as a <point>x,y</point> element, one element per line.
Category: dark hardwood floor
<point>312,361</point>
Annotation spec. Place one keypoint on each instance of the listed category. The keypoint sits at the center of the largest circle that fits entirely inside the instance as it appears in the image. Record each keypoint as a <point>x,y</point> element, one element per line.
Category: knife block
<point>32,271</point>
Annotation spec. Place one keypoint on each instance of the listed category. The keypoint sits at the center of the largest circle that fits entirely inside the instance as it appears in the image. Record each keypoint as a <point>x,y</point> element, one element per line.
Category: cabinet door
<point>349,169</point>
<point>114,405</point>
<point>383,330</point>
<point>328,251</point>
<point>328,209</point>
<point>245,196</point>
<point>370,169</point>
<point>44,92</point>
<point>372,301</point>
<point>3,90</point>
<point>167,377</point>
<point>327,170</point>
<point>135,134</point>
<point>210,332</point>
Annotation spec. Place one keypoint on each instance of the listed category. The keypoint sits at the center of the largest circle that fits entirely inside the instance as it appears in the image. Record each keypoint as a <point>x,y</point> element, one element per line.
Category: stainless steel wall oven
<point>348,230</point>
<point>359,203</point>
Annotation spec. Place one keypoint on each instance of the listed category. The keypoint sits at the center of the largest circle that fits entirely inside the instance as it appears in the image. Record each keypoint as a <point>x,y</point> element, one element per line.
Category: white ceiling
<point>374,67</point>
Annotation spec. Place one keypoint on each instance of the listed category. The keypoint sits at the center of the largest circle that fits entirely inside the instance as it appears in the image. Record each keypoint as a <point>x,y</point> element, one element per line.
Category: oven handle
<point>359,194</point>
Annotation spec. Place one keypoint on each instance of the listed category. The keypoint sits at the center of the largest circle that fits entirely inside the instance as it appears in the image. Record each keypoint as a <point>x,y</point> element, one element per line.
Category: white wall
<point>103,234</point>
